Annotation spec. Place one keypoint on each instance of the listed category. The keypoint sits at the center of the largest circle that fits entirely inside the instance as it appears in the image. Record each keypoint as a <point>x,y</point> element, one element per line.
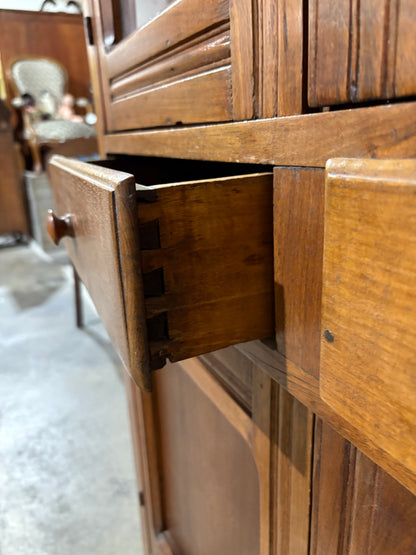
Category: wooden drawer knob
<point>59,227</point>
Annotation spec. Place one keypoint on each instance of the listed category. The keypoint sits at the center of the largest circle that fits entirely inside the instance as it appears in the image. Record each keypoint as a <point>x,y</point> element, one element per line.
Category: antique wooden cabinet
<point>253,222</point>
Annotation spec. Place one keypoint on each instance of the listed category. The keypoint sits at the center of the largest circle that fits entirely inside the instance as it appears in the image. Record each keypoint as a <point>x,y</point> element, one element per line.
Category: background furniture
<point>248,449</point>
<point>40,89</point>
<point>13,202</point>
<point>51,35</point>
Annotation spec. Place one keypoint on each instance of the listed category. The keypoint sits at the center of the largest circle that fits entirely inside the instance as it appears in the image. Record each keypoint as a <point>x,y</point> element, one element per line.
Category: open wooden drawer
<point>176,267</point>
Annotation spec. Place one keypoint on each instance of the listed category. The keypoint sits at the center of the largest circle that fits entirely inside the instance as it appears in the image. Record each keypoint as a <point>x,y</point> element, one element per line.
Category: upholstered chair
<point>40,85</point>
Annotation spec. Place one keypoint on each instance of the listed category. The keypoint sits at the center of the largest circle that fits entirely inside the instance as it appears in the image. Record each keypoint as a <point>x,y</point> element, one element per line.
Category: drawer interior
<point>148,170</point>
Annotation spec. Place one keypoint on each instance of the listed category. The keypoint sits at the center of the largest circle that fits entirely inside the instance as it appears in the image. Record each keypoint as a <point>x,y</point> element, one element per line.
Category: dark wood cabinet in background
<point>267,446</point>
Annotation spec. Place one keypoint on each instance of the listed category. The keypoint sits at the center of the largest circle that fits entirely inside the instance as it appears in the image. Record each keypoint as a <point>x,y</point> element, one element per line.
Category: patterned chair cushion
<point>62,130</point>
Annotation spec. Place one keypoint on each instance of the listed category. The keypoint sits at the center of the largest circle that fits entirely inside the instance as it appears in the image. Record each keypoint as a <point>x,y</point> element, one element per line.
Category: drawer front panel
<point>368,345</point>
<point>104,250</point>
<point>361,51</point>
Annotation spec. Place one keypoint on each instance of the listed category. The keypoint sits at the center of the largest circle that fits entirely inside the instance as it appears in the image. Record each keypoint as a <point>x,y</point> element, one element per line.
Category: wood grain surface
<point>356,506</point>
<point>209,474</point>
<point>205,97</point>
<point>188,58</point>
<point>104,251</point>
<point>360,50</point>
<point>368,366</point>
<point>298,245</point>
<point>290,69</point>
<point>13,204</point>
<point>242,58</point>
<point>291,473</point>
<point>216,256</point>
<point>177,23</point>
<point>305,388</point>
<point>304,140</point>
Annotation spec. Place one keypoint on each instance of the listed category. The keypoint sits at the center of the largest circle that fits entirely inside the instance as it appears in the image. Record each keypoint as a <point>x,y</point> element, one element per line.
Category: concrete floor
<point>67,482</point>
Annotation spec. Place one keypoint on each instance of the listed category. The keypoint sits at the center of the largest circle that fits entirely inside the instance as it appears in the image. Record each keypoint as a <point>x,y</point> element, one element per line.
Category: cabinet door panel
<point>361,51</point>
<point>174,70</point>
<point>211,496</point>
<point>356,506</point>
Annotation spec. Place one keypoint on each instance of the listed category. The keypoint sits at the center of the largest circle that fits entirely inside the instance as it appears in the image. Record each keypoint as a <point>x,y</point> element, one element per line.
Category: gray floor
<point>67,481</point>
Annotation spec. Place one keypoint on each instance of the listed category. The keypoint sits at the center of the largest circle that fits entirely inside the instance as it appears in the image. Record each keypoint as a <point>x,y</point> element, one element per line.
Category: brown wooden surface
<point>290,57</point>
<point>13,208</point>
<point>204,97</point>
<point>140,459</point>
<point>406,51</point>
<point>209,475</point>
<point>95,75</point>
<point>262,424</point>
<point>242,58</point>
<point>304,140</point>
<point>305,388</point>
<point>360,50</point>
<point>186,59</point>
<point>104,251</point>
<point>298,243</point>
<point>291,437</point>
<point>55,35</point>
<point>266,76</point>
<point>211,304</point>
<point>235,373</point>
<point>283,437</point>
<point>368,300</point>
<point>180,21</point>
<point>357,508</point>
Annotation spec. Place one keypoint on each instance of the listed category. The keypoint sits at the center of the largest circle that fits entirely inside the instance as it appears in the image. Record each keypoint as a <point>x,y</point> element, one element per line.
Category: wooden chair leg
<point>78,300</point>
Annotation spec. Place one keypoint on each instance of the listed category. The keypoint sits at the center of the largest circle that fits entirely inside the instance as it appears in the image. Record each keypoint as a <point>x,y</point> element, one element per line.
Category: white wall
<point>20,4</point>
<point>33,5</point>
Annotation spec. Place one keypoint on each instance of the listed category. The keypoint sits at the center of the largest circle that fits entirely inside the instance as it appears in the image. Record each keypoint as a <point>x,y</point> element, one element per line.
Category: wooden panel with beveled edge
<point>361,50</point>
<point>211,492</point>
<point>284,430</point>
<point>291,473</point>
<point>174,25</point>
<point>188,67</point>
<point>101,203</point>
<point>368,345</point>
<point>356,506</point>
<point>203,97</point>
